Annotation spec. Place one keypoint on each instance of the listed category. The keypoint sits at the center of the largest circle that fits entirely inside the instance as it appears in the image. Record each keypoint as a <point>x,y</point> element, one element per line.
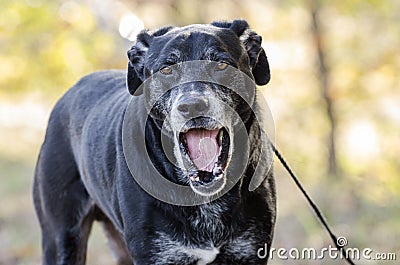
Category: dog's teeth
<point>220,135</point>
<point>218,171</point>
<point>194,178</point>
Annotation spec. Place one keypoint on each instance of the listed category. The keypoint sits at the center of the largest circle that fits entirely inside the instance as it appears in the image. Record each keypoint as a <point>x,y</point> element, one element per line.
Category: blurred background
<point>334,95</point>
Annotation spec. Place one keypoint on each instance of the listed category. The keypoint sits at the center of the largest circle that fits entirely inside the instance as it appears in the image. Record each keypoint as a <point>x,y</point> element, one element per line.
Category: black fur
<point>82,176</point>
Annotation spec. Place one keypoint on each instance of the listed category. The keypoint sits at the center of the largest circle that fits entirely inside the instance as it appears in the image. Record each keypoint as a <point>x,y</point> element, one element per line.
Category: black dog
<point>83,175</point>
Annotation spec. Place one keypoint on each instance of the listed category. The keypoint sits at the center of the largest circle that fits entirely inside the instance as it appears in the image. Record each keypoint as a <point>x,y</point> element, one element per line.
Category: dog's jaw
<point>210,179</point>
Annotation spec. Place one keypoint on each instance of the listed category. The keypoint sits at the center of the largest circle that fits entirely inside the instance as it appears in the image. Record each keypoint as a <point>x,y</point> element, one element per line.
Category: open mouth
<point>208,152</point>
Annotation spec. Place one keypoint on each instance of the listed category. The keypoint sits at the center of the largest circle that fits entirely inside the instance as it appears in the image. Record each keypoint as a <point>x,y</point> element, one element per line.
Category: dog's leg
<point>116,242</point>
<point>63,206</point>
<point>49,251</point>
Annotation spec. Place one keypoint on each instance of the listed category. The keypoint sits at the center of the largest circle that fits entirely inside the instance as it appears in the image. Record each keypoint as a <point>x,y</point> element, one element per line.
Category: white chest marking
<point>174,251</point>
<point>205,256</point>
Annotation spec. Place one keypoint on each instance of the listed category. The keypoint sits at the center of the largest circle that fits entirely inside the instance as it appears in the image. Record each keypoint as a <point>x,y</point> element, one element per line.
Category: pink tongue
<point>203,148</point>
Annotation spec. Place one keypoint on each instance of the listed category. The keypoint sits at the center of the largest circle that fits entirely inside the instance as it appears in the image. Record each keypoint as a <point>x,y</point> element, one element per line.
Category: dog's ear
<point>136,55</point>
<point>252,41</point>
<point>258,59</point>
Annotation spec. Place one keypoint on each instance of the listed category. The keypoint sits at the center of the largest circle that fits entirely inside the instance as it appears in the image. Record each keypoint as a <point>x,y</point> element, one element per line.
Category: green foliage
<point>46,48</point>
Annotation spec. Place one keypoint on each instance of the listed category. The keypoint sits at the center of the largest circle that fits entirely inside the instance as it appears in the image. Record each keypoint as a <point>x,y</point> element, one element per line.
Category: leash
<point>321,218</point>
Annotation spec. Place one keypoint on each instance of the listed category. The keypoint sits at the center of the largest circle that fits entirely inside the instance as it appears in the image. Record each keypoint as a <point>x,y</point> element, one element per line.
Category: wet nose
<point>192,106</point>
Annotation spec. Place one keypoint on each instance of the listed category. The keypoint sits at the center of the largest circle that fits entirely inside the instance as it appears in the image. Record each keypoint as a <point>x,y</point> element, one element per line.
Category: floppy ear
<point>258,59</point>
<point>252,41</point>
<point>136,54</point>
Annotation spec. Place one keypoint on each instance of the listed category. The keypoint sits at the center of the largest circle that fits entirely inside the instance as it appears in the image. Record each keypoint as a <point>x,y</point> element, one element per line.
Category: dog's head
<point>187,75</point>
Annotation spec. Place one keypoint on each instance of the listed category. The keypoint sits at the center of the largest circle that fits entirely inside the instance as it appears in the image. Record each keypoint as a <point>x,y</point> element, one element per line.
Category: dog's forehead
<point>201,30</point>
<point>198,37</point>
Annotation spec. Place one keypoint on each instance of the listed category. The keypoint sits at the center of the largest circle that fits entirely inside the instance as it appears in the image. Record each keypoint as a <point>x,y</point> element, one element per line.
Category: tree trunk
<point>323,76</point>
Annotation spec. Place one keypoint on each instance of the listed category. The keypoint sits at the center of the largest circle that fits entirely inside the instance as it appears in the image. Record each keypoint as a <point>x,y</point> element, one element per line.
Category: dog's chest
<point>173,251</point>
<point>213,242</point>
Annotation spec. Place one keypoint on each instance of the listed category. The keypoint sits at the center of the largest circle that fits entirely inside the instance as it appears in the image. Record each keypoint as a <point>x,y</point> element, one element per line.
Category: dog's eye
<point>166,70</point>
<point>221,66</point>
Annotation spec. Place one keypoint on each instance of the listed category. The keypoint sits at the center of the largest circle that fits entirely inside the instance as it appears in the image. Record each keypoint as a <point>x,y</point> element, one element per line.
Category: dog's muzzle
<point>204,144</point>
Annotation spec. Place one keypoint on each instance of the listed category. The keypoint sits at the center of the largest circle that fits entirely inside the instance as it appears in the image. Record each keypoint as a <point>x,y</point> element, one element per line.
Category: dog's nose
<point>193,106</point>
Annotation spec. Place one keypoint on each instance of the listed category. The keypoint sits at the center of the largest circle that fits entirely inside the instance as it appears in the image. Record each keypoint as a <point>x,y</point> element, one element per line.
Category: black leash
<point>313,205</point>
